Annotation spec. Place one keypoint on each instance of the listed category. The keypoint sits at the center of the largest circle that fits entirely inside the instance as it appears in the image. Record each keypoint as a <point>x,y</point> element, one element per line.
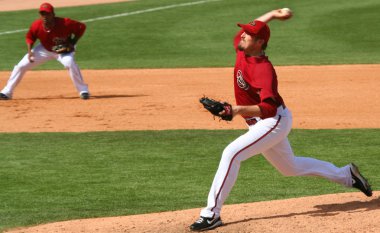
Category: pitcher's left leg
<point>282,158</point>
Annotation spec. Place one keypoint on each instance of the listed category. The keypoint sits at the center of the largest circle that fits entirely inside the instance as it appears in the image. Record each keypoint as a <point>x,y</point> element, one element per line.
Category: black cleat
<point>4,97</point>
<point>359,182</point>
<point>85,95</point>
<point>204,224</point>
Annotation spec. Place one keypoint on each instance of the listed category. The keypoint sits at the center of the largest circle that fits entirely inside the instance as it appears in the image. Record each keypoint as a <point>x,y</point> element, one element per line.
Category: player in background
<point>269,122</point>
<point>52,31</point>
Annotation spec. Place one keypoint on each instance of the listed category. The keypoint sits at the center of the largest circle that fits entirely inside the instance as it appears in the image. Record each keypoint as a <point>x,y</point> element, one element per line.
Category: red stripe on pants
<point>229,167</point>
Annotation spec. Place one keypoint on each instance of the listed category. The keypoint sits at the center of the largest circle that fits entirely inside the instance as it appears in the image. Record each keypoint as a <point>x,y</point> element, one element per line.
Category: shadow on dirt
<point>325,210</point>
<point>77,97</point>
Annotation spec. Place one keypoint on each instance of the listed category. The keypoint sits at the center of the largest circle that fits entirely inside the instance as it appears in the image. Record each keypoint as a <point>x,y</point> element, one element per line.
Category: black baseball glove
<point>63,48</point>
<point>215,107</point>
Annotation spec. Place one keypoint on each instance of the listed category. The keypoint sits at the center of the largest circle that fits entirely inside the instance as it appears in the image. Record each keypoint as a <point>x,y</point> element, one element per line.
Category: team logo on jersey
<point>240,80</point>
<point>59,40</point>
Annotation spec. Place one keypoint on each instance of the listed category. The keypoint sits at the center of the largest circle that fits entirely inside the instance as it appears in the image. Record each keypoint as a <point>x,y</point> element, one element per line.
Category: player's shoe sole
<point>359,182</point>
<point>4,97</point>
<point>85,95</point>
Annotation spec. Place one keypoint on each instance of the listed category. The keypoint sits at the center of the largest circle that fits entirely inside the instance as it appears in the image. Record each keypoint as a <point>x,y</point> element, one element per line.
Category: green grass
<point>46,177</point>
<point>321,32</point>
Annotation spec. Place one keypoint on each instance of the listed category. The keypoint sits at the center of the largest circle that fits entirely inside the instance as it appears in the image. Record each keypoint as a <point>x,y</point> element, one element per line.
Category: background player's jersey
<point>59,34</point>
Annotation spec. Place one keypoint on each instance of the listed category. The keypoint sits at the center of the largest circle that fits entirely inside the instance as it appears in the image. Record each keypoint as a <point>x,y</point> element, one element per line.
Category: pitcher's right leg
<point>259,138</point>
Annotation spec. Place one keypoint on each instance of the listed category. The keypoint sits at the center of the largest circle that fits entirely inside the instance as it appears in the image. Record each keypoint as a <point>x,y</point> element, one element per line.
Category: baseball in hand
<point>287,10</point>
<point>286,13</point>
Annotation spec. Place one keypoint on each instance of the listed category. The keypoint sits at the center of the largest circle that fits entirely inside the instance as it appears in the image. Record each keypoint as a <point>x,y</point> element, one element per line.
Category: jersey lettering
<point>59,40</point>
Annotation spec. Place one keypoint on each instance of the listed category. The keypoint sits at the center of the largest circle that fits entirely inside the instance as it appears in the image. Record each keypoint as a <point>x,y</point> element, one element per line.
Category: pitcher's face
<point>250,44</point>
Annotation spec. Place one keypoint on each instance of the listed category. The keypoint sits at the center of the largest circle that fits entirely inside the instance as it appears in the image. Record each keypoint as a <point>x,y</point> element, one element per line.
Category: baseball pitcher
<point>269,123</point>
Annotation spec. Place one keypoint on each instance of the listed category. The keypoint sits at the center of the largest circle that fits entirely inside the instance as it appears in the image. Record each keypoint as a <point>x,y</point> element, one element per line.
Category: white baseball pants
<point>269,137</point>
<point>41,55</point>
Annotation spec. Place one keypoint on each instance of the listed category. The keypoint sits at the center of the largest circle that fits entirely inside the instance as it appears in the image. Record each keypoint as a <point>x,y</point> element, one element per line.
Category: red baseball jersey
<point>254,78</point>
<point>64,27</point>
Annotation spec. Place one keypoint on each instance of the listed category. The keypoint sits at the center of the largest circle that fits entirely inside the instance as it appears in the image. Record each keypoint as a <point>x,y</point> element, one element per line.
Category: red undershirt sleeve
<point>268,105</point>
<point>30,37</point>
<point>266,81</point>
<point>268,108</point>
<point>76,27</point>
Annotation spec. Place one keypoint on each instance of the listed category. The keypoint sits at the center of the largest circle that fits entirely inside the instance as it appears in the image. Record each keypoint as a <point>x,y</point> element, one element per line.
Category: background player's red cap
<point>257,28</point>
<point>46,7</point>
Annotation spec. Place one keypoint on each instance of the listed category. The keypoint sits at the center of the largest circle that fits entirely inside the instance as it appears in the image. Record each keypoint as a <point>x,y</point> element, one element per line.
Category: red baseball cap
<point>257,28</point>
<point>46,7</point>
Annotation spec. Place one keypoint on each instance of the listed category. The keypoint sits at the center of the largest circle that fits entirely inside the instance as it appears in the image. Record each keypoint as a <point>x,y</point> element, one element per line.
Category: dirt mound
<point>334,213</point>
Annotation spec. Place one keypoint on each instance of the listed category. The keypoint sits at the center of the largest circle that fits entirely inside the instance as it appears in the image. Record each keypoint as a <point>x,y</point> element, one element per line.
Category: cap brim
<point>46,11</point>
<point>246,28</point>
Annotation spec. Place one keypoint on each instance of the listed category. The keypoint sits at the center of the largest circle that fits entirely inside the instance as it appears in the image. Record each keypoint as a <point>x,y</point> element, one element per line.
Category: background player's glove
<point>215,107</point>
<point>63,48</point>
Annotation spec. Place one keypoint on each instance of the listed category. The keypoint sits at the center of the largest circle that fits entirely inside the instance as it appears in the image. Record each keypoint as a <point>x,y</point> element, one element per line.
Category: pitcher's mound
<point>347,212</point>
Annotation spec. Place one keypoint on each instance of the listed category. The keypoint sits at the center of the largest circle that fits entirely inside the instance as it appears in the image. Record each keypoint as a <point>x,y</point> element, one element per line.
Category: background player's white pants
<point>41,55</point>
<point>269,137</point>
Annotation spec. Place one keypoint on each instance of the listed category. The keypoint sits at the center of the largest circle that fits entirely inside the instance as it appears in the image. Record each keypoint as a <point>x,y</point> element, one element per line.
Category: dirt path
<point>15,5</point>
<point>343,213</point>
<point>319,97</point>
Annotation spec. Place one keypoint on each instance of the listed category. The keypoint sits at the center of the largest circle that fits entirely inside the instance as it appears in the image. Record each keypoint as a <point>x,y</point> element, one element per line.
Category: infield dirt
<point>319,97</point>
<point>16,5</point>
